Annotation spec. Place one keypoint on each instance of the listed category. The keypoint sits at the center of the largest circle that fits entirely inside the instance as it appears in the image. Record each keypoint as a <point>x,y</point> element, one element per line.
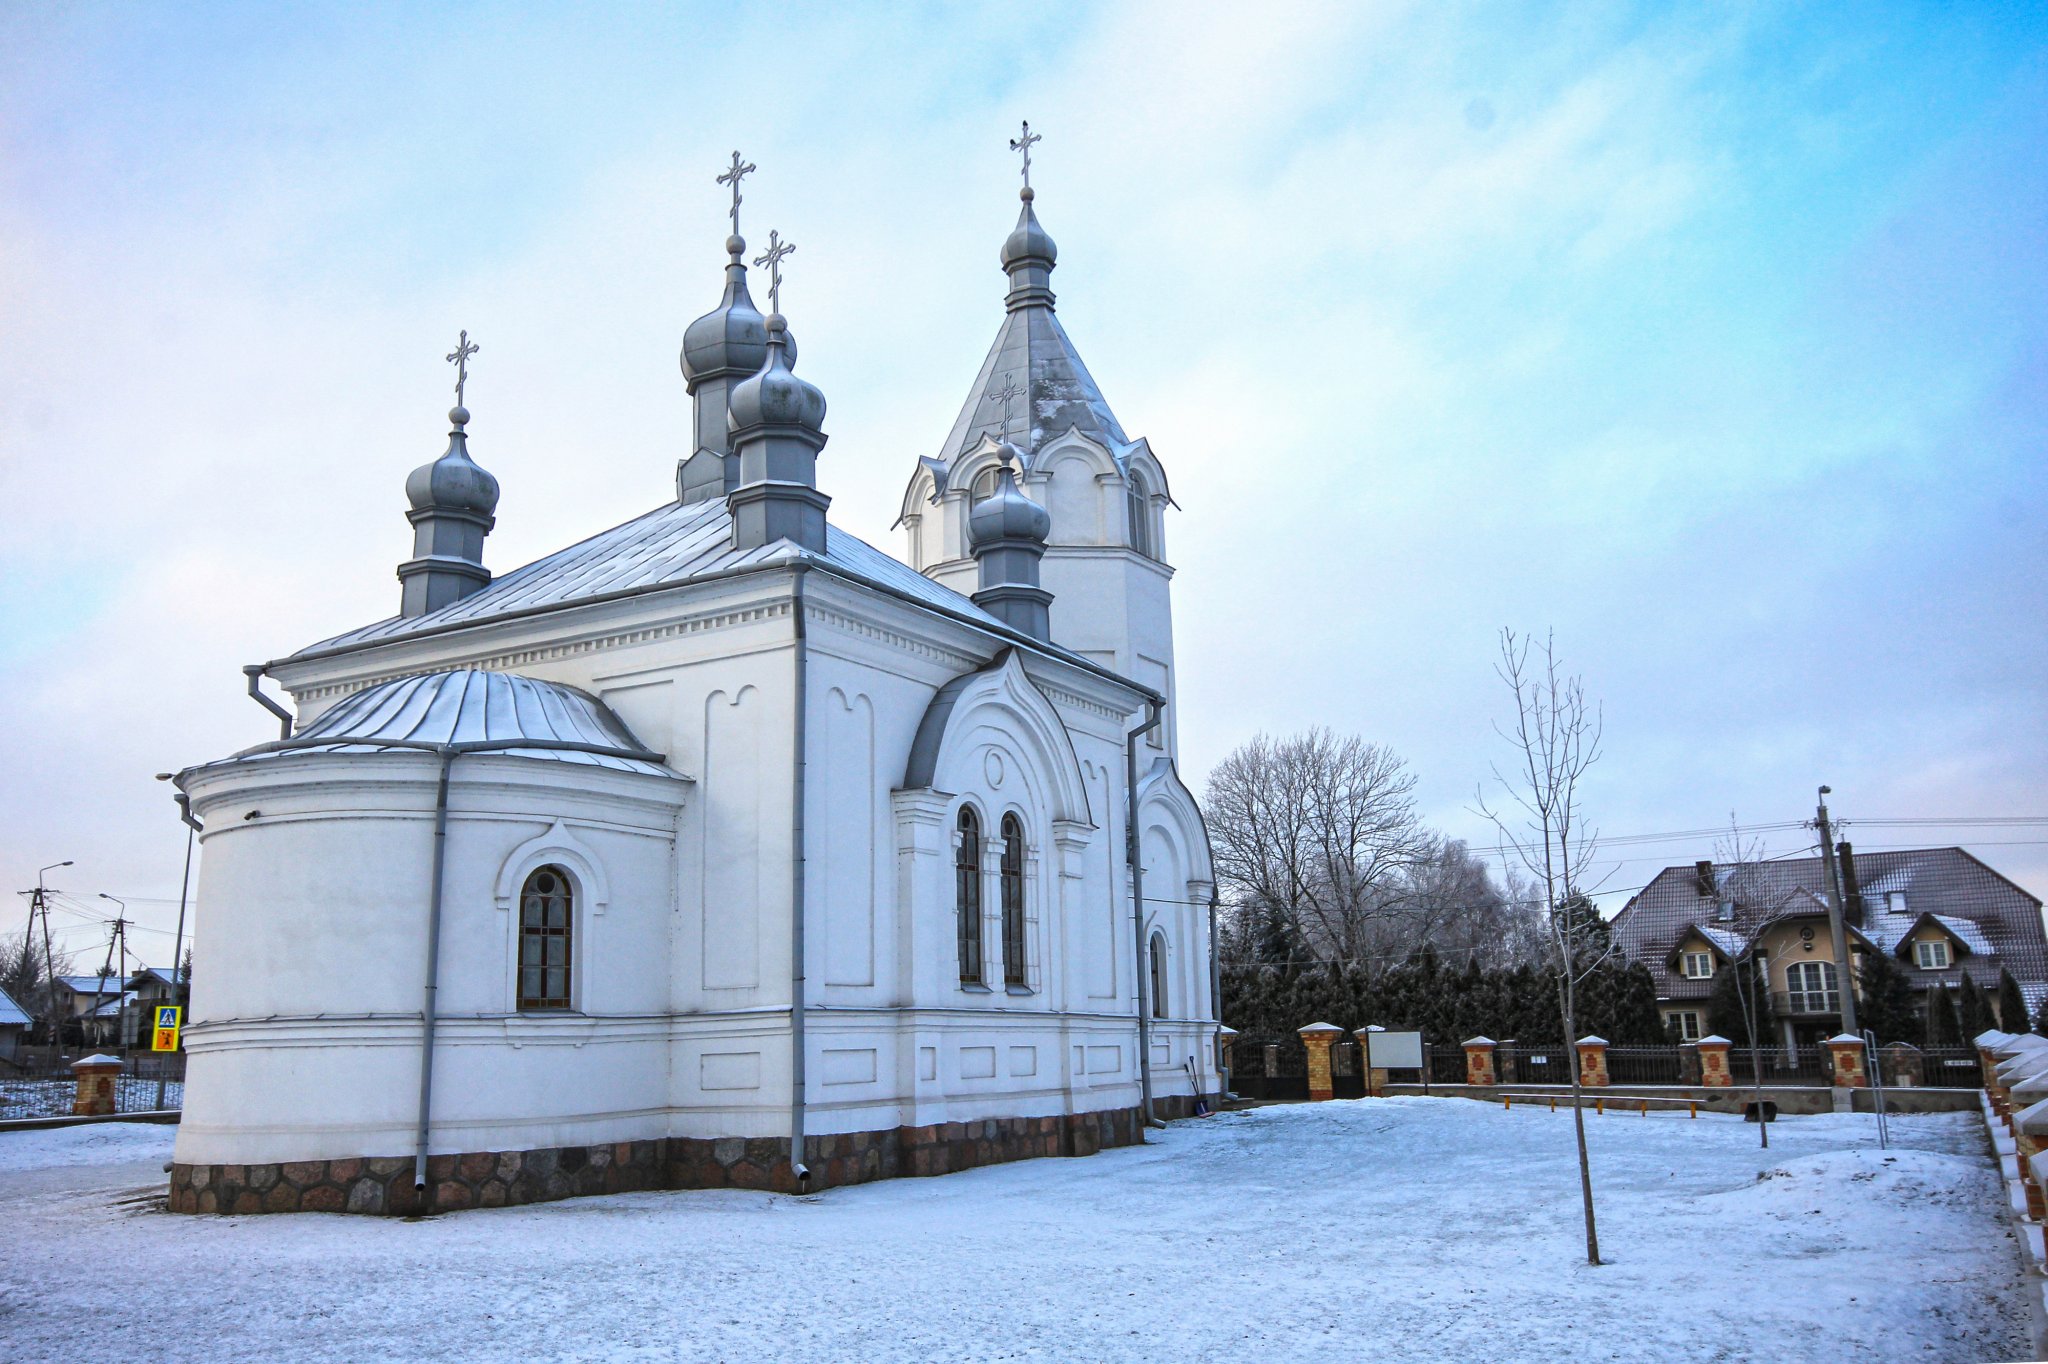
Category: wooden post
<point>1317,1037</point>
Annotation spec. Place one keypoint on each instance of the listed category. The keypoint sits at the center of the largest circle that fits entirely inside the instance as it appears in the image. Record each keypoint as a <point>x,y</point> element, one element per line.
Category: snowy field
<point>1397,1229</point>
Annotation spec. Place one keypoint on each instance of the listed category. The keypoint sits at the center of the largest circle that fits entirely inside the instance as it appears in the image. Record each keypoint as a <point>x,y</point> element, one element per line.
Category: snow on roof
<point>87,985</point>
<point>668,546</point>
<point>1592,1040</point>
<point>1731,943</point>
<point>12,1015</point>
<point>1966,932</point>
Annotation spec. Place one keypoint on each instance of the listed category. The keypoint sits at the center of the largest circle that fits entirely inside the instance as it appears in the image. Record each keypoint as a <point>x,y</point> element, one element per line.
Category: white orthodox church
<point>722,847</point>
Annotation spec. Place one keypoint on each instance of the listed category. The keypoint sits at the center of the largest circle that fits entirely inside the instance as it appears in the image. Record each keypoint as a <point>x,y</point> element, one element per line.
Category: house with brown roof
<point>1941,912</point>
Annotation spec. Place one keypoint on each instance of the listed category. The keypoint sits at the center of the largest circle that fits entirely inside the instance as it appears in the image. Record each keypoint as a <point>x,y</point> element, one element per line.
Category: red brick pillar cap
<point>99,1062</point>
<point>1480,1041</point>
<point>1321,1029</point>
<point>1592,1040</point>
<point>1714,1039</point>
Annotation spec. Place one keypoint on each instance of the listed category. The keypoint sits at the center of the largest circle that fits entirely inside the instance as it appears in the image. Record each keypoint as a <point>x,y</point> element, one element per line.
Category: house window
<point>1699,965</point>
<point>1811,988</point>
<point>1138,506</point>
<point>1012,886</point>
<point>967,894</point>
<point>1687,1022</point>
<point>1158,975</point>
<point>1932,956</point>
<point>1895,902</point>
<point>546,919</point>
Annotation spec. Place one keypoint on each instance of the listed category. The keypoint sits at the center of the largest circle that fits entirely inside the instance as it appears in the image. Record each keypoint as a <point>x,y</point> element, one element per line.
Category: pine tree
<point>1975,1012</point>
<point>2012,1005</point>
<point>1943,1028</point>
<point>1885,1003</point>
<point>2041,1018</point>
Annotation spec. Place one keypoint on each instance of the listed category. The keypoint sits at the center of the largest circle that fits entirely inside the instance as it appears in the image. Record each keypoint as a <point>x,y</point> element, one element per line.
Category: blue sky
<point>1710,338</point>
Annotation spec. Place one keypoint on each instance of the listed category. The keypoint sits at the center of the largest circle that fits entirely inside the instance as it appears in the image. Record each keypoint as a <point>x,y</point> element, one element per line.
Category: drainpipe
<point>797,1168</point>
<point>254,672</point>
<point>427,1015</point>
<point>1216,995</point>
<point>1154,710</point>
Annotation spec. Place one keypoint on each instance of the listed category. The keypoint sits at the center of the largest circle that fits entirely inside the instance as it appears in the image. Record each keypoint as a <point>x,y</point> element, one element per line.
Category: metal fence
<point>45,1087</point>
<point>1269,1066</point>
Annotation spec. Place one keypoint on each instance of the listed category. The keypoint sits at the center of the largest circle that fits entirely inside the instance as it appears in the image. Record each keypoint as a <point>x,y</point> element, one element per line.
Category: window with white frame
<point>1931,954</point>
<point>1688,1023</point>
<point>1699,965</point>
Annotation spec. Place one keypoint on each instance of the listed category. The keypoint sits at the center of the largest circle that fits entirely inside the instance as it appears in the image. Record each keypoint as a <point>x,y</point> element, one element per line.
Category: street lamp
<point>181,988</point>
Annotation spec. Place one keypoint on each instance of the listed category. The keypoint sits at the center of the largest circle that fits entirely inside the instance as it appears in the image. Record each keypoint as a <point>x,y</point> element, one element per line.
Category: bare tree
<point>1738,868</point>
<point>25,973</point>
<point>1451,902</point>
<point>1556,737</point>
<point>1315,833</point>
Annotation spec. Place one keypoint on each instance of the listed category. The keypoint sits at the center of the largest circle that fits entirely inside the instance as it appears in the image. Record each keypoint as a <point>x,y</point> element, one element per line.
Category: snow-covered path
<point>1397,1229</point>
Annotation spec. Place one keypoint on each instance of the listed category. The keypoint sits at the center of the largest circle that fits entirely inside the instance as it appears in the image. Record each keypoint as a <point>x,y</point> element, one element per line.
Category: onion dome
<point>775,396</point>
<point>1028,258</point>
<point>732,338</point>
<point>454,482</point>
<point>1006,513</point>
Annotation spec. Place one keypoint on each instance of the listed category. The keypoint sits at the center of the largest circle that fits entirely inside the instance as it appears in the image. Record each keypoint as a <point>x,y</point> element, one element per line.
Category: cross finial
<point>1008,394</point>
<point>459,357</point>
<point>771,260</point>
<point>1023,144</point>
<point>739,171</point>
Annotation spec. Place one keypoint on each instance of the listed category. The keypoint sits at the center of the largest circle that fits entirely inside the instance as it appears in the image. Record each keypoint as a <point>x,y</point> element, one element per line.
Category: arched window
<point>1138,509</point>
<point>984,484</point>
<point>1813,988</point>
<point>1013,903</point>
<point>1158,964</point>
<point>967,894</point>
<point>546,920</point>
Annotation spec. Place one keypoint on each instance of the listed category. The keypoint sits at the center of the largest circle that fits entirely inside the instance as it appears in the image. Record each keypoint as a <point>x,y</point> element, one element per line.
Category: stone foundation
<point>383,1185</point>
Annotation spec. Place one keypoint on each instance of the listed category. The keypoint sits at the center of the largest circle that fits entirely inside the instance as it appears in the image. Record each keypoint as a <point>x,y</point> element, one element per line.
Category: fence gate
<point>1269,1066</point>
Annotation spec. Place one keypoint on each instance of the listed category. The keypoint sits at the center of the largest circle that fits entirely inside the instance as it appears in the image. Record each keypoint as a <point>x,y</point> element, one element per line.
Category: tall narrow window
<point>1158,975</point>
<point>546,916</point>
<point>1014,972</point>
<point>967,894</point>
<point>1138,506</point>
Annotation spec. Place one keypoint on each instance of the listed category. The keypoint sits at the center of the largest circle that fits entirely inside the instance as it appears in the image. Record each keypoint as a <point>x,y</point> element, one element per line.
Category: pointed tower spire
<point>452,504</point>
<point>777,430</point>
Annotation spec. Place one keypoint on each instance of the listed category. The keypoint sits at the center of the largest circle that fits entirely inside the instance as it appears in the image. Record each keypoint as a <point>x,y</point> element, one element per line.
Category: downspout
<point>797,1168</point>
<point>419,1159</point>
<point>254,672</point>
<point>1216,997</point>
<point>1154,710</point>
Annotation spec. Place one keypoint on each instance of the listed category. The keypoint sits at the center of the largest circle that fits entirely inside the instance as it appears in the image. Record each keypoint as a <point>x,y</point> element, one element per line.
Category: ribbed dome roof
<point>1007,514</point>
<point>454,482</point>
<point>775,396</point>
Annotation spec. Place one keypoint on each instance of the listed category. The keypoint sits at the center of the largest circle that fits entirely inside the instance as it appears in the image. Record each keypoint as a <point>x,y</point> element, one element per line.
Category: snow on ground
<point>102,1143</point>
<point>1397,1229</point>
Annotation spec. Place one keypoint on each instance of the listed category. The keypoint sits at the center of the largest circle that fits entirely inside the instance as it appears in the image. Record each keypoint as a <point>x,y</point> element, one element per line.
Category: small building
<point>1941,912</point>
<point>14,1026</point>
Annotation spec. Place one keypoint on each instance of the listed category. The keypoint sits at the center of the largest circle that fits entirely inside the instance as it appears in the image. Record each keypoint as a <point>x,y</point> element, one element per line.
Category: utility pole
<point>181,988</point>
<point>117,958</point>
<point>1836,928</point>
<point>39,907</point>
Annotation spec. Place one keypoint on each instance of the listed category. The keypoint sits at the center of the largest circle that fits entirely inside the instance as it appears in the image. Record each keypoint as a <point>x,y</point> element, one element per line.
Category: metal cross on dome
<point>738,172</point>
<point>771,260</point>
<point>1023,144</point>
<point>459,357</point>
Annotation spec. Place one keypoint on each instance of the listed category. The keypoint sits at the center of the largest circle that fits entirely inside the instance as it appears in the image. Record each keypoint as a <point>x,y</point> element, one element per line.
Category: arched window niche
<point>547,925</point>
<point>1157,974</point>
<point>1016,973</point>
<point>967,894</point>
<point>1138,511</point>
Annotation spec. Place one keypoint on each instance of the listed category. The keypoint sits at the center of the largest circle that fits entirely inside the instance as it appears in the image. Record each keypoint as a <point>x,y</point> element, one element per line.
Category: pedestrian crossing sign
<point>164,1037</point>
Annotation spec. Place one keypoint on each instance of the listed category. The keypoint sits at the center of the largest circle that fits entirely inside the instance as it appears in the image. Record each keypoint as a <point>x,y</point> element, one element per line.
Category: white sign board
<point>1396,1050</point>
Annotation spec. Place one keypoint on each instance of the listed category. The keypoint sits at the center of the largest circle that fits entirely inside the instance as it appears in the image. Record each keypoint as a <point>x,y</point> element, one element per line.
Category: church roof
<point>469,707</point>
<point>668,546</point>
<point>1032,350</point>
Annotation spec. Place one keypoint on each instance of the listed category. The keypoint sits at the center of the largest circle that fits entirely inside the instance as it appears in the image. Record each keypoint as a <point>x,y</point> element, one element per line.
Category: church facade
<point>722,848</point>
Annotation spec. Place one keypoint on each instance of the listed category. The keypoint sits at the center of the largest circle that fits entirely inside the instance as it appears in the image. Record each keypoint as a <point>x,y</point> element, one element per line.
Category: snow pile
<point>1400,1229</point>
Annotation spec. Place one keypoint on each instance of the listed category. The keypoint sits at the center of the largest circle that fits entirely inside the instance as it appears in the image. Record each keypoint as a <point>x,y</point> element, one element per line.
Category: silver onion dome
<point>1006,513</point>
<point>774,396</point>
<point>454,482</point>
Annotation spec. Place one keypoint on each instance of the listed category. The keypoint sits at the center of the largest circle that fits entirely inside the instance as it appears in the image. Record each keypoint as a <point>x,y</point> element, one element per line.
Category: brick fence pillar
<point>1375,1073</point>
<point>2030,1139</point>
<point>95,1096</point>
<point>1317,1037</point>
<point>1902,1065</point>
<point>1845,1054</point>
<point>1593,1062</point>
<point>1714,1071</point>
<point>1479,1061</point>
